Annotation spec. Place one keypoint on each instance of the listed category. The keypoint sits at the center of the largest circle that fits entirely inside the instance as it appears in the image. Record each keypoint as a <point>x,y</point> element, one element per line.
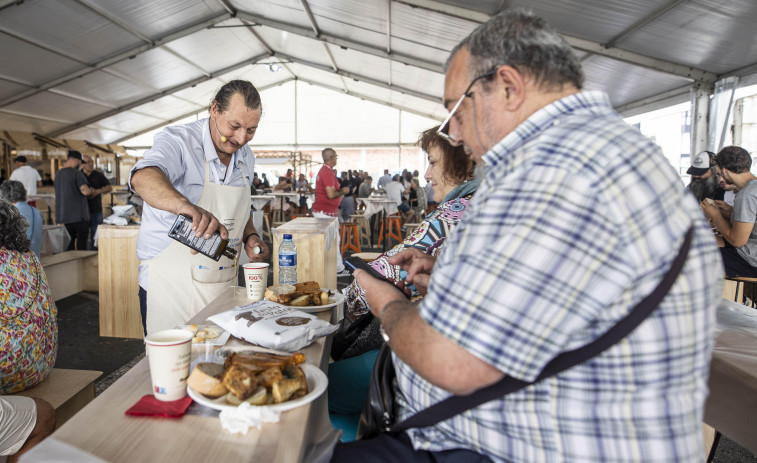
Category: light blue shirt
<point>34,231</point>
<point>180,152</point>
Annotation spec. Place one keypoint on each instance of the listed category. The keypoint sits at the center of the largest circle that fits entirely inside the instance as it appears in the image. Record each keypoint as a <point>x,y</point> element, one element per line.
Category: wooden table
<point>102,428</point>
<point>731,406</point>
<point>119,281</point>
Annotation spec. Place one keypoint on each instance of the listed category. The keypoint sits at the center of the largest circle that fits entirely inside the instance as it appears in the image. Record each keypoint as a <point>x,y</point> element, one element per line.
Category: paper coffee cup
<point>256,278</point>
<point>168,353</point>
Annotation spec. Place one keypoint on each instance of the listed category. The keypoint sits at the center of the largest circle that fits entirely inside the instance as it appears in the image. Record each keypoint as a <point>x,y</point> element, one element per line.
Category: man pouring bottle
<point>203,171</point>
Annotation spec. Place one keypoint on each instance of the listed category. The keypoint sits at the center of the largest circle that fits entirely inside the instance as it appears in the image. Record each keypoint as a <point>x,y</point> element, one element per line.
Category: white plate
<point>219,341</point>
<point>336,298</point>
<point>317,382</point>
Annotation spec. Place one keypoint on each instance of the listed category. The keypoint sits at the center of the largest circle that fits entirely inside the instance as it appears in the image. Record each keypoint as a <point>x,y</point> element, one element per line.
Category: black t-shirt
<point>70,204</point>
<point>96,180</point>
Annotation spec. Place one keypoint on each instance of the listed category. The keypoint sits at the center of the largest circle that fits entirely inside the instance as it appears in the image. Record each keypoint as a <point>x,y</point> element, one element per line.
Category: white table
<point>55,239</point>
<point>258,203</point>
<point>374,205</point>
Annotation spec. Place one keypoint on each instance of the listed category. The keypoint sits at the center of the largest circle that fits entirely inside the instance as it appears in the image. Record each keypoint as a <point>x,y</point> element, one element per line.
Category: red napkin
<point>150,406</point>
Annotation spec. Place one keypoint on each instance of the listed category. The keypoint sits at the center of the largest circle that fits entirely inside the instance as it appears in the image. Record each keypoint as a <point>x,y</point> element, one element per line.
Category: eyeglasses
<point>444,128</point>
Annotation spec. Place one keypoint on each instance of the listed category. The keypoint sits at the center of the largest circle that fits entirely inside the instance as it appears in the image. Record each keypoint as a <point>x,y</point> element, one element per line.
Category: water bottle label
<point>287,260</point>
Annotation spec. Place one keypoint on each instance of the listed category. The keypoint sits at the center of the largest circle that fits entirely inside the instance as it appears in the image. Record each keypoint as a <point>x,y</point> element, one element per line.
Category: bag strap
<point>457,404</point>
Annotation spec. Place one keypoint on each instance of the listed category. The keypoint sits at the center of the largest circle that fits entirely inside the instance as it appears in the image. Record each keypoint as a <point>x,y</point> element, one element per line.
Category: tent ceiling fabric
<point>105,70</point>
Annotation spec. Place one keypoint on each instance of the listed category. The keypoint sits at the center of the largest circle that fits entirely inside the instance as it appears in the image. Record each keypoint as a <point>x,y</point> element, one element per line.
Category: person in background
<point>265,182</point>
<point>47,180</point>
<point>71,208</point>
<point>452,171</point>
<point>304,188</point>
<point>284,186</point>
<point>256,188</point>
<point>394,191</point>
<point>202,170</point>
<point>99,185</point>
<point>739,235</point>
<point>578,218</point>
<point>384,179</point>
<point>365,189</point>
<point>3,175</point>
<point>328,195</point>
<point>14,193</point>
<point>704,177</point>
<point>26,175</point>
<point>347,206</point>
<point>430,201</point>
<point>28,338</point>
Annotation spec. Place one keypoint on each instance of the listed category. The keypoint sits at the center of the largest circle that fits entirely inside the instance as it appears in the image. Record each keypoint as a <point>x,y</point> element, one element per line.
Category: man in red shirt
<point>328,195</point>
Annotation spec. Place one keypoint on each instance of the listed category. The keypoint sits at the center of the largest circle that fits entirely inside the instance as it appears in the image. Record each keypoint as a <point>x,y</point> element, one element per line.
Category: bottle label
<point>287,260</point>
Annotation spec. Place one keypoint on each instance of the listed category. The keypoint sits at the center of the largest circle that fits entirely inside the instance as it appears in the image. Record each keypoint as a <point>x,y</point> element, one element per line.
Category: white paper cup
<point>168,353</point>
<point>256,277</point>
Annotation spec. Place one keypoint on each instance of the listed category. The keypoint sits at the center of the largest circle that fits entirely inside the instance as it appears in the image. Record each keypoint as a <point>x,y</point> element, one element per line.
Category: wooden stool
<point>278,215</point>
<point>365,228</point>
<point>267,229</point>
<point>741,292</point>
<point>350,237</point>
<point>392,229</point>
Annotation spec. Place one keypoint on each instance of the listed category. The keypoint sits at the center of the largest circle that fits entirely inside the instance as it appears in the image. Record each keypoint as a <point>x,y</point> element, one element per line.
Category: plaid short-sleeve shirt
<point>578,218</point>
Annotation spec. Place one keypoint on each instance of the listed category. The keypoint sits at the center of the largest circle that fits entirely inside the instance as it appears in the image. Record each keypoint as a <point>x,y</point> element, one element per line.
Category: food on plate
<point>252,377</point>
<point>206,334</point>
<point>206,379</point>
<point>259,361</point>
<point>298,295</point>
<point>240,382</point>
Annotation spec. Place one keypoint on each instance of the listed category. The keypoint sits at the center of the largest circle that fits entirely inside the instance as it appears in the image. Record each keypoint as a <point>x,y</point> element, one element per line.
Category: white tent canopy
<point>109,70</point>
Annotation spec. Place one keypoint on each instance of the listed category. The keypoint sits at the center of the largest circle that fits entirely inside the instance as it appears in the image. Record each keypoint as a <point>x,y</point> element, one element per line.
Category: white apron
<point>180,284</point>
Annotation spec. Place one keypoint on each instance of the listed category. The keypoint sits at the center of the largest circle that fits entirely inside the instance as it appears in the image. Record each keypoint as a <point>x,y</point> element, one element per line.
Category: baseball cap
<point>701,163</point>
<point>74,154</point>
<point>20,159</point>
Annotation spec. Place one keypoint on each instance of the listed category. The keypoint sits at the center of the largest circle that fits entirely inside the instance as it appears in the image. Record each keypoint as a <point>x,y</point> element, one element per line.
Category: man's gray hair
<point>328,153</point>
<point>526,42</point>
<point>12,191</point>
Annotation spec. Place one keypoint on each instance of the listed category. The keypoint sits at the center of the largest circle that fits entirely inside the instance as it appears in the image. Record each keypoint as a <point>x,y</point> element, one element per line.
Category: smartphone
<point>354,263</point>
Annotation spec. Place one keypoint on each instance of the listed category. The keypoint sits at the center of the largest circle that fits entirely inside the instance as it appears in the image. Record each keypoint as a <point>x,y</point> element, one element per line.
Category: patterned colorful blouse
<point>428,237</point>
<point>28,325</point>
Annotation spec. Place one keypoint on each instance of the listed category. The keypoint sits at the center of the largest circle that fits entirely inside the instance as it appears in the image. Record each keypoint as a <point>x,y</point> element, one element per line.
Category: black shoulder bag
<point>379,410</point>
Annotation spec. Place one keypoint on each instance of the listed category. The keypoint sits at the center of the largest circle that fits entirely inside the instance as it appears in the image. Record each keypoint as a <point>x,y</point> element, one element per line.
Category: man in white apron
<point>202,170</point>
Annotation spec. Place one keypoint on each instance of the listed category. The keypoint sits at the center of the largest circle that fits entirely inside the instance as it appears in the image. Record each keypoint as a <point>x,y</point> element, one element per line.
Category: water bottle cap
<point>287,236</point>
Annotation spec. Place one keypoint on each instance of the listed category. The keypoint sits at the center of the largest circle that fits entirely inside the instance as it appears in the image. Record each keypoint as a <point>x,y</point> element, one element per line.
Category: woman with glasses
<point>450,171</point>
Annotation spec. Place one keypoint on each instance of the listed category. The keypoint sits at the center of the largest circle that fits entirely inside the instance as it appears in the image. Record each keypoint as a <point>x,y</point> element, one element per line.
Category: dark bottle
<point>215,247</point>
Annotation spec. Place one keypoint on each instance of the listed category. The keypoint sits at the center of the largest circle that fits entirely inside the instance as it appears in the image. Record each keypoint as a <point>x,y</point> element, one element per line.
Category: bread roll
<point>206,379</point>
<point>277,293</point>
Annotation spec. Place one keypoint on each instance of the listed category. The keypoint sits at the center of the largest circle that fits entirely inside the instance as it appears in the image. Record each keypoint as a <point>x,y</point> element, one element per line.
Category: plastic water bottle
<point>287,261</point>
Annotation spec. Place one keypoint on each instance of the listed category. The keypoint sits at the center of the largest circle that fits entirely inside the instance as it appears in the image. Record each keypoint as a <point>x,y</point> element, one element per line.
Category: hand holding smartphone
<point>354,263</point>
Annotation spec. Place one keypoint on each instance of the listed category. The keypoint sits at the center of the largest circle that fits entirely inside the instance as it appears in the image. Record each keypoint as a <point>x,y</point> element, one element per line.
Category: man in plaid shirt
<point>577,219</point>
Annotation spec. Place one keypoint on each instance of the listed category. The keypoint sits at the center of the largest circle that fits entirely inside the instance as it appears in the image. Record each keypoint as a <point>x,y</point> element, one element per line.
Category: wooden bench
<point>68,391</point>
<point>71,272</point>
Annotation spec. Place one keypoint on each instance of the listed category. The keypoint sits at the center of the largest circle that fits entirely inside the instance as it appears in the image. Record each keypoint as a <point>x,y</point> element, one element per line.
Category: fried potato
<point>283,390</point>
<point>301,301</point>
<point>270,376</point>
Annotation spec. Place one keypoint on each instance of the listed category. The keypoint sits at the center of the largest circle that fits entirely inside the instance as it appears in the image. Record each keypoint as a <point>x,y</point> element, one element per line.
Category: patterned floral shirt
<point>428,237</point>
<point>28,326</point>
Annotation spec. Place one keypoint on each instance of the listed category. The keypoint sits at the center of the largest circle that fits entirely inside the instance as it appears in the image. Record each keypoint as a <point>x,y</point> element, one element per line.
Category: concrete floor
<point>81,347</point>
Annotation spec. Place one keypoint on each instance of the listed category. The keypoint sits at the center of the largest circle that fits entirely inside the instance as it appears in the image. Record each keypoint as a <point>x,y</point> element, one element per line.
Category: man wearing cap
<point>26,175</point>
<point>739,235</point>
<point>704,178</point>
<point>71,208</point>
